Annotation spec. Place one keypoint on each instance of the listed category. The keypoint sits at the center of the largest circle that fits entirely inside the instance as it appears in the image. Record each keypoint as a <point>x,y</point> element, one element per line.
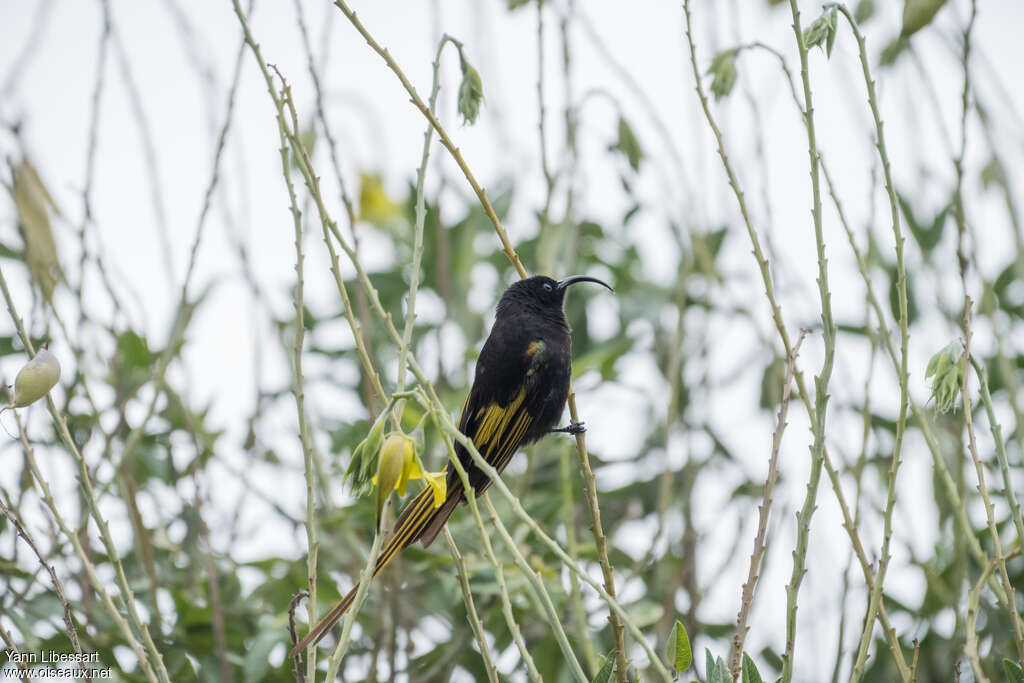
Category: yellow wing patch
<point>494,420</point>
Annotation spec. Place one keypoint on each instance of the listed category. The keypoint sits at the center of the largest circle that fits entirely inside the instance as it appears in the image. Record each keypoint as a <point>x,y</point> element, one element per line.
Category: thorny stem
<point>87,564</point>
<point>298,380</point>
<point>784,337</point>
<point>922,420</point>
<point>85,480</point>
<point>541,597</point>
<point>971,643</point>
<point>822,380</point>
<point>471,614</point>
<point>997,435</point>
<point>993,529</point>
<point>901,421</point>
<point>365,577</point>
<point>58,587</point>
<point>762,513</point>
<point>442,134</point>
<point>370,379</point>
<point>450,428</point>
<point>514,258</point>
<point>590,488</point>
<point>421,215</point>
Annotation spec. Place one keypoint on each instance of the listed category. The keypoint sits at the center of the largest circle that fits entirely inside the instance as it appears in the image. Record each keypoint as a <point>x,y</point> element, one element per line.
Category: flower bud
<point>471,91</point>
<point>36,379</point>
<point>391,468</point>
<point>944,368</point>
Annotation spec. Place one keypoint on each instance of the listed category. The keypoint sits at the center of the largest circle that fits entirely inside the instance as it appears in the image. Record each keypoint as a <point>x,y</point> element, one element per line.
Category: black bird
<point>518,394</point>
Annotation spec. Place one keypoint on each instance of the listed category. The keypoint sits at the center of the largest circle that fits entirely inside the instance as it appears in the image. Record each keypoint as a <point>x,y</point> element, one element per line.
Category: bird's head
<point>541,294</point>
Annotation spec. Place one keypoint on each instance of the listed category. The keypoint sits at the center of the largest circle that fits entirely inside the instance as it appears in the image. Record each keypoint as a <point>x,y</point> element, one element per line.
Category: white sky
<point>379,131</point>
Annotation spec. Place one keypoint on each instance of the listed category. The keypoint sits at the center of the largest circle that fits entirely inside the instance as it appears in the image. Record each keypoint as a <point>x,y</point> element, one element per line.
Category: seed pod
<point>36,379</point>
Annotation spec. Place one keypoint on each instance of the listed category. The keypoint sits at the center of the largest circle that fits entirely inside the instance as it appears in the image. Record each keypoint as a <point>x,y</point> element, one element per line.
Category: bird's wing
<point>497,415</point>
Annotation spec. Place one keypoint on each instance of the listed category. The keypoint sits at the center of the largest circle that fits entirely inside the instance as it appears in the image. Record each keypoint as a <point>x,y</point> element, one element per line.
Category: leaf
<point>717,671</point>
<point>257,656</point>
<point>364,455</point>
<point>750,672</point>
<point>678,647</point>
<point>131,366</point>
<point>1013,672</point>
<point>629,145</point>
<point>927,236</point>
<point>34,205</point>
<point>8,252</point>
<point>604,673</point>
<point>893,51</point>
<point>471,91</point>
<point>307,137</point>
<point>993,174</point>
<point>772,381</point>
<point>864,11</point>
<point>917,14</point>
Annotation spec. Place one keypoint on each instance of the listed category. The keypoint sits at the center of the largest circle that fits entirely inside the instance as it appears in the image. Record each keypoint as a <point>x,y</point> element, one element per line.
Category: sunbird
<point>518,395</point>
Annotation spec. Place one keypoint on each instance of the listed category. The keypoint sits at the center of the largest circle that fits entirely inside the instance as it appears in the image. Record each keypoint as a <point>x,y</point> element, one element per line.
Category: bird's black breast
<point>519,388</point>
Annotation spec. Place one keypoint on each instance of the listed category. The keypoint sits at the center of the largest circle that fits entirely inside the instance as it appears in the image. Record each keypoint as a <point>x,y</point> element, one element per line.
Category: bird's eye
<point>547,287</point>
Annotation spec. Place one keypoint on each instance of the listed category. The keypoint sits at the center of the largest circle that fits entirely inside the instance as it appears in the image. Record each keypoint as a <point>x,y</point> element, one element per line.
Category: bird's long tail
<point>409,527</point>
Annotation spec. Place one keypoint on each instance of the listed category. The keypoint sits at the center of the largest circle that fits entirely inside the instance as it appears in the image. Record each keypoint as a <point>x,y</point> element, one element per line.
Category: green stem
<point>993,529</point>
<point>1004,463</point>
<point>822,380</point>
<point>365,578</point>
<point>445,140</point>
<point>875,594</point>
<point>471,614</point>
<point>85,481</point>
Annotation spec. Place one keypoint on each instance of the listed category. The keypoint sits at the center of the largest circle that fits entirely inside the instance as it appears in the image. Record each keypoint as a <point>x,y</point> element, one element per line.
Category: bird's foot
<point>573,428</point>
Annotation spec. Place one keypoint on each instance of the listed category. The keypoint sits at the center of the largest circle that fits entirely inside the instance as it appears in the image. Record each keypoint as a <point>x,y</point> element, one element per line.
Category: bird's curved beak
<point>563,284</point>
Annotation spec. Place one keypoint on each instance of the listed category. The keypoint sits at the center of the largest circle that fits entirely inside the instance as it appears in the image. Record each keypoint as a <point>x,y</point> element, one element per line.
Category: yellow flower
<point>438,481</point>
<point>375,206</point>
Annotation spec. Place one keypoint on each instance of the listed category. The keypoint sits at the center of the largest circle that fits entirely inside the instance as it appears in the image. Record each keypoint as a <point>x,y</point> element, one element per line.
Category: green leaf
<point>1013,672</point>
<point>604,673</point>
<point>131,366</point>
<point>864,11</point>
<point>750,672</point>
<point>993,174</point>
<point>772,382</point>
<point>917,14</point>
<point>257,656</point>
<point>629,145</point>
<point>927,236</point>
<point>717,671</point>
<point>8,252</point>
<point>678,647</point>
<point>34,206</point>
<point>893,51</point>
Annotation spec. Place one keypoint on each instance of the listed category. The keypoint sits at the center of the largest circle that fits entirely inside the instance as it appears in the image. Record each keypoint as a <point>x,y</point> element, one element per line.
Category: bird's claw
<point>573,428</point>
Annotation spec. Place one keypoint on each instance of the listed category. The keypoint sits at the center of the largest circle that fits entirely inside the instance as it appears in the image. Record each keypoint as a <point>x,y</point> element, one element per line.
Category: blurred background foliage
<point>696,351</point>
